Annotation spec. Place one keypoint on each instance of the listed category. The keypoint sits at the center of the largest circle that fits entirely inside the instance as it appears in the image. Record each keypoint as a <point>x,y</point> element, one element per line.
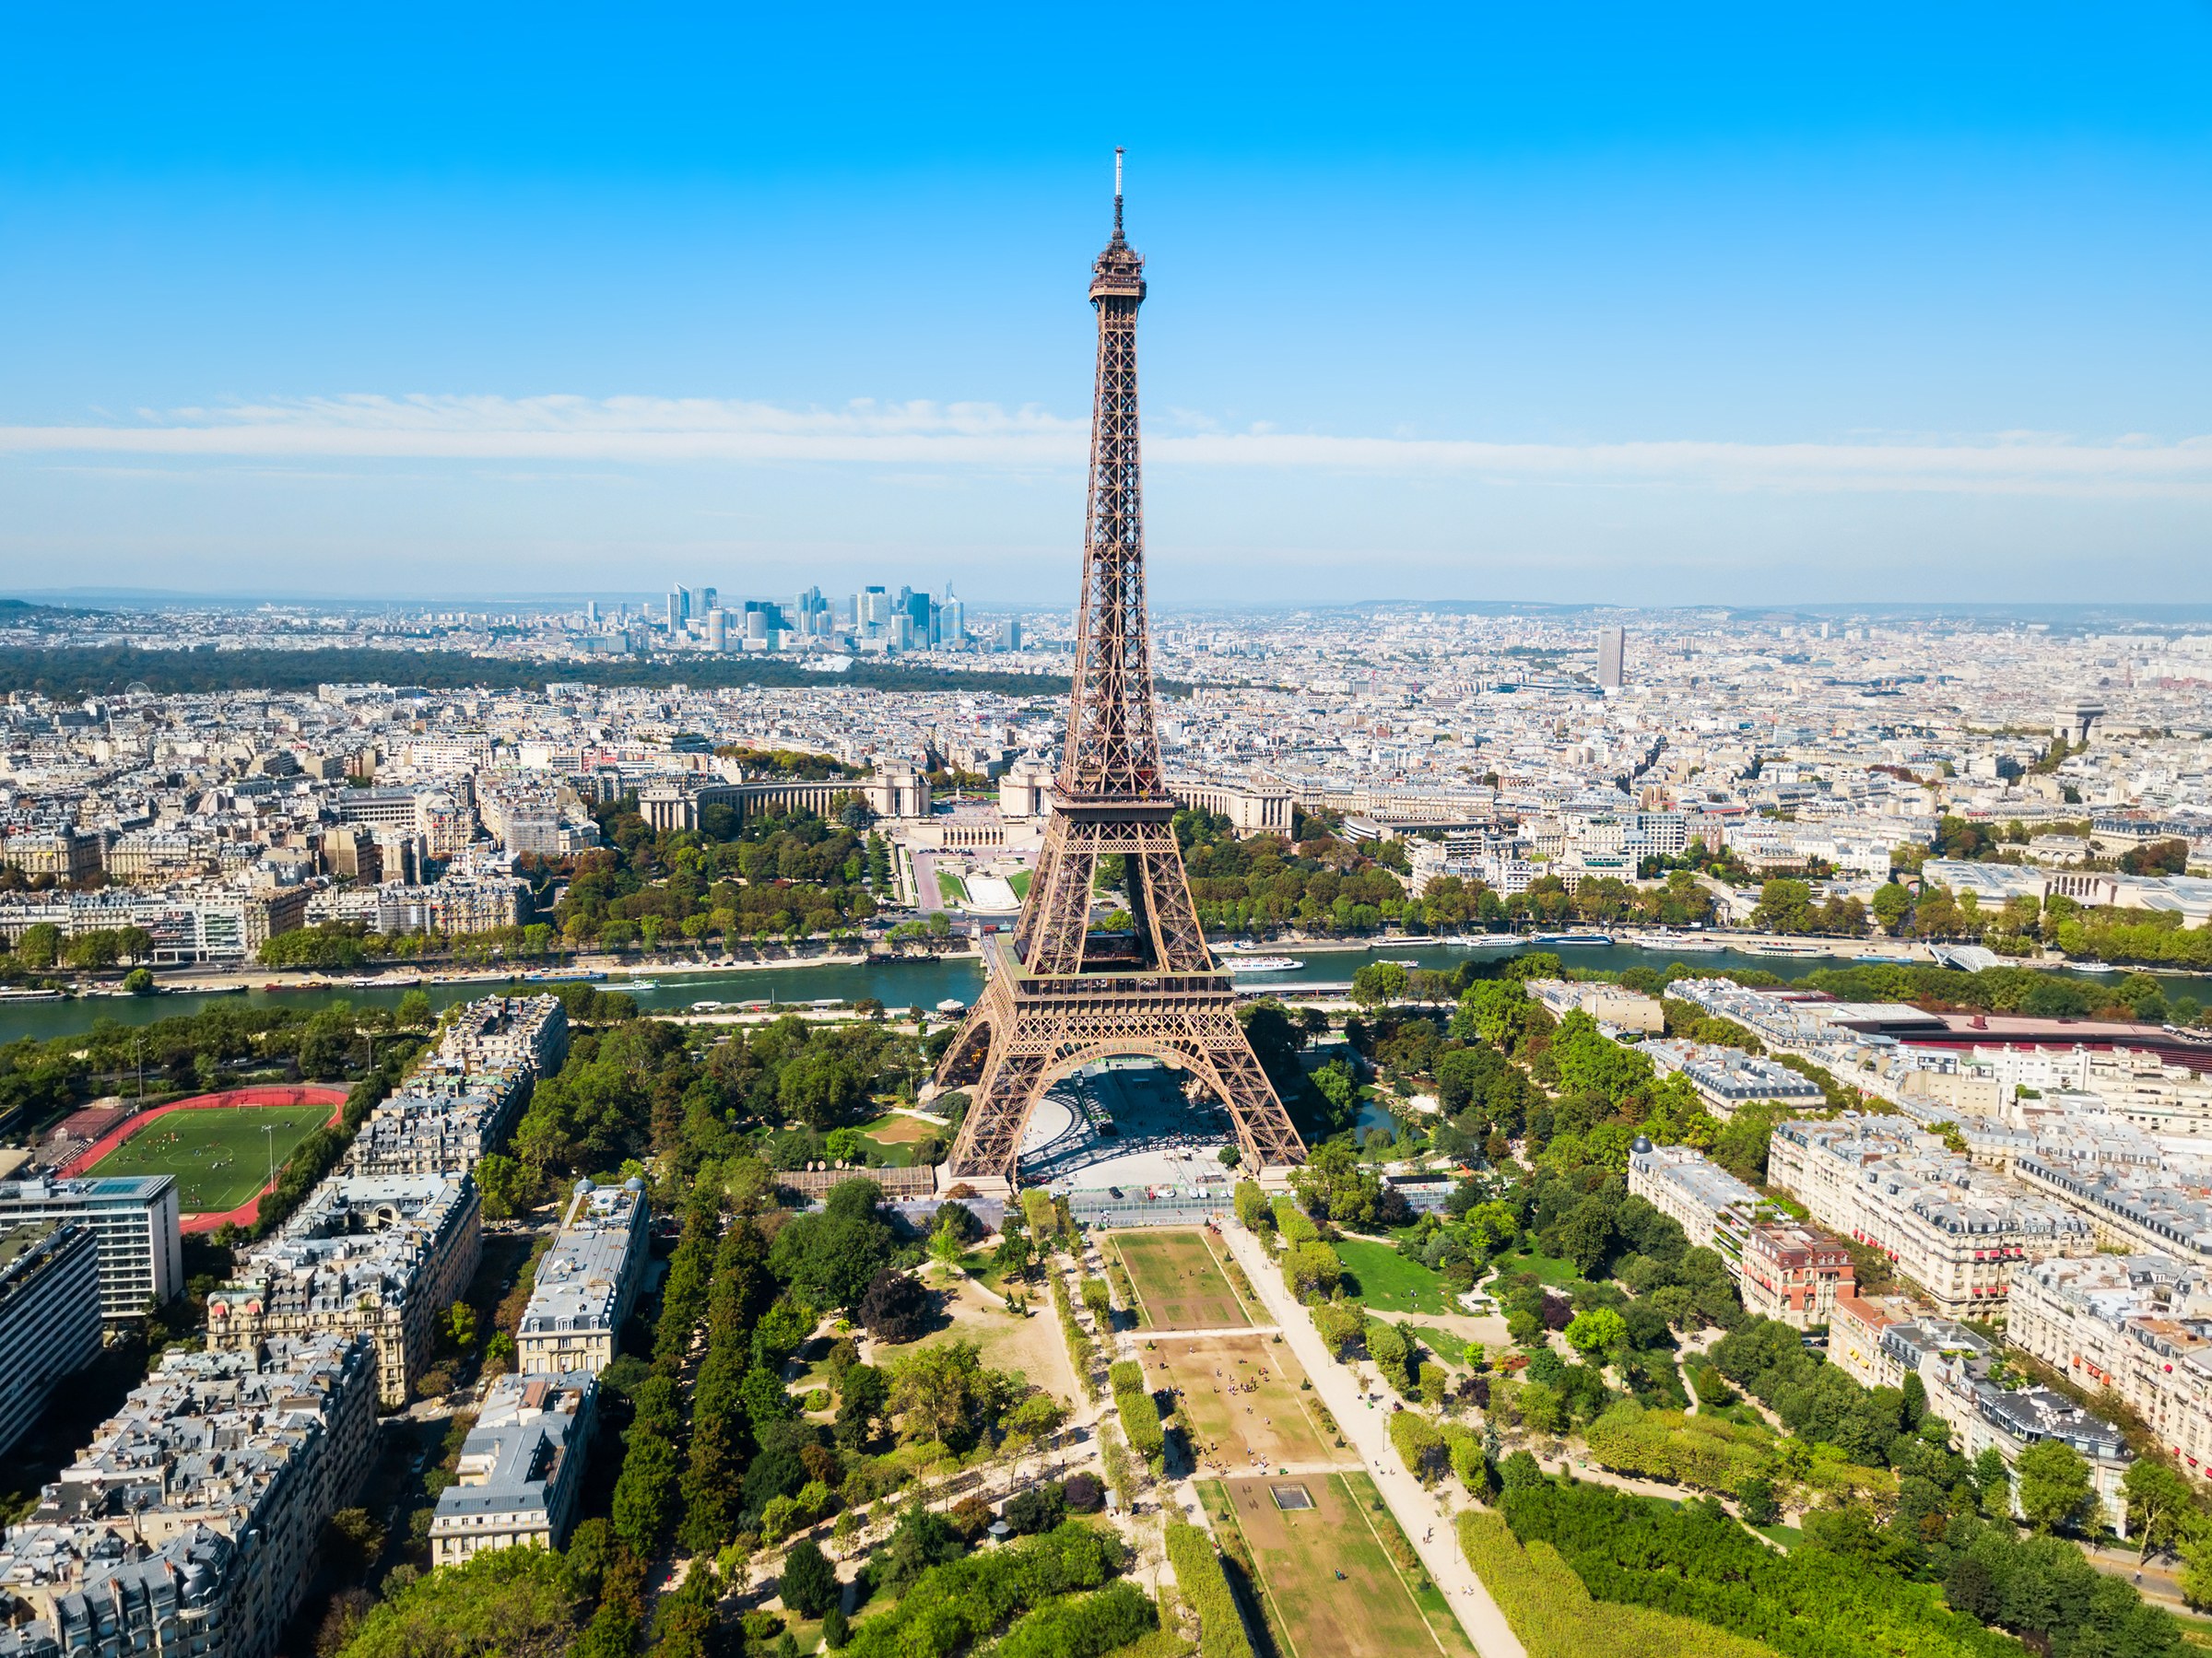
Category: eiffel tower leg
<point>988,1148</point>
<point>1262,1126</point>
<point>1050,932</point>
<point>1156,870</point>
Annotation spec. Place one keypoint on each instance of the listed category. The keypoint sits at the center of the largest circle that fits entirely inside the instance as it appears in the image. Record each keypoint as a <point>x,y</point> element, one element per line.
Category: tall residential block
<point>380,1256</point>
<point>49,1316</point>
<point>1612,656</point>
<point>134,1220</point>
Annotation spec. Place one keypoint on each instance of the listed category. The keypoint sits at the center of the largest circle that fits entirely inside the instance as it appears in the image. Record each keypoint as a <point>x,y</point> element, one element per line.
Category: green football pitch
<point>220,1156</point>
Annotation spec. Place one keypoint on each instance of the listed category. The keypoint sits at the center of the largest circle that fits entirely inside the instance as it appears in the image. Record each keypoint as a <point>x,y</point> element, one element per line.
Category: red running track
<point>245,1214</point>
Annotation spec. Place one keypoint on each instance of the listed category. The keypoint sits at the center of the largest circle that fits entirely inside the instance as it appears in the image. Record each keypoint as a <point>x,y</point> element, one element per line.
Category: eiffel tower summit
<point>1063,992</point>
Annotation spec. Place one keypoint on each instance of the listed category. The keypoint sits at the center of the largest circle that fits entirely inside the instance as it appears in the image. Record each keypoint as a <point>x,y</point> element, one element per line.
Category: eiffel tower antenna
<point>1067,988</point>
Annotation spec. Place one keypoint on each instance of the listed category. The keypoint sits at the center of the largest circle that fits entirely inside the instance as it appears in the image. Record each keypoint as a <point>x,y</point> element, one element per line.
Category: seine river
<point>901,984</point>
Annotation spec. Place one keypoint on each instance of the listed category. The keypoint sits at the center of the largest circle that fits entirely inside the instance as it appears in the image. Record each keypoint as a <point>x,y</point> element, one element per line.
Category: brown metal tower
<point>1063,992</point>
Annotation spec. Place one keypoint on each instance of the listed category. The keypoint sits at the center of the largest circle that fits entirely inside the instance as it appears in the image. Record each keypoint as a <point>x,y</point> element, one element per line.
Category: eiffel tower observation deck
<point>1068,988</point>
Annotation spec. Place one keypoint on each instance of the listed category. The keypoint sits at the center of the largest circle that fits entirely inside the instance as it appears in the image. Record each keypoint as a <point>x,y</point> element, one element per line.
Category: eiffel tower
<point>1063,992</point>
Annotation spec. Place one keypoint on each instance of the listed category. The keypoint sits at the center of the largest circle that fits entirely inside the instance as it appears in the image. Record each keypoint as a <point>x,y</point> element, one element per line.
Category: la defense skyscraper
<point>1061,995</point>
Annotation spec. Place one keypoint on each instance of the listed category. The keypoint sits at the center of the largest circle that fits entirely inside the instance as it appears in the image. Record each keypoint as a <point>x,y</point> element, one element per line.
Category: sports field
<point>1179,1281</point>
<point>1239,1398</point>
<point>1329,1586</point>
<point>219,1155</point>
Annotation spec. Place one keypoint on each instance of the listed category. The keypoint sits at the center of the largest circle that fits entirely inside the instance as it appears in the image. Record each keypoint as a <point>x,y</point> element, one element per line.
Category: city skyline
<point>1692,315</point>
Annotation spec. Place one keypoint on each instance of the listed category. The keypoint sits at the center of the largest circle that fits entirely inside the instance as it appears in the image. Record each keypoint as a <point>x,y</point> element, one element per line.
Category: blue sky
<point>1531,302</point>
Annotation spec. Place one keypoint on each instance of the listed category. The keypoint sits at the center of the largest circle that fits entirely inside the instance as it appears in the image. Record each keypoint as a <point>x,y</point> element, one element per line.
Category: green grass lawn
<point>1547,1267</point>
<point>1019,881</point>
<point>1388,1280</point>
<point>1181,1285</point>
<point>1789,1536</point>
<point>221,1156</point>
<point>1447,1346</point>
<point>951,887</point>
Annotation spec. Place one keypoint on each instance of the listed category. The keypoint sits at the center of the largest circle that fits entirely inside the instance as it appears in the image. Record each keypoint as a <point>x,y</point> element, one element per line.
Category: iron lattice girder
<point>1060,995</point>
<point>1029,1031</point>
<point>1053,935</point>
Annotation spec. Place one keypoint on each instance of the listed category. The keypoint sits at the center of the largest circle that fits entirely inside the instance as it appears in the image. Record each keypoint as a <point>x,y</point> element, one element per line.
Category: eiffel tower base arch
<point>1028,1032</point>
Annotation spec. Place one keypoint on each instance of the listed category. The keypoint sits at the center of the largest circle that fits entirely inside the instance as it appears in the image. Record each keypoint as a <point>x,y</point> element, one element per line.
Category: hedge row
<point>1555,1617</point>
<point>1081,1354</point>
<point>1254,1214</point>
<point>1086,1626</point>
<point>1140,1412</point>
<point>1125,1287</point>
<point>1044,1221</point>
<point>1297,1228</point>
<point>1393,1354</point>
<point>1099,1299</point>
<point>1199,1575</point>
<point>950,1605</point>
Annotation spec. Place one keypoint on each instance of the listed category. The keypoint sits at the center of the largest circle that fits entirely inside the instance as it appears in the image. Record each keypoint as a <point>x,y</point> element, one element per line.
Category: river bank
<point>671,988</point>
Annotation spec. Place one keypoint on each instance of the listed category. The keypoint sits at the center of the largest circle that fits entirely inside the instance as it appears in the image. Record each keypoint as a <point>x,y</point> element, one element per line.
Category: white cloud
<point>926,435</point>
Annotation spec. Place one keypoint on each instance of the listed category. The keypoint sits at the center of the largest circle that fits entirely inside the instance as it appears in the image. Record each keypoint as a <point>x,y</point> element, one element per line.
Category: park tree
<point>511,1603</point>
<point>645,1495</point>
<point>863,1406</point>
<point>945,1391</point>
<point>895,1307</point>
<point>2159,1505</point>
<point>832,1258</point>
<point>2053,1483</point>
<point>38,945</point>
<point>1378,984</point>
<point>506,1185</point>
<point>1596,1331</point>
<point>808,1582</point>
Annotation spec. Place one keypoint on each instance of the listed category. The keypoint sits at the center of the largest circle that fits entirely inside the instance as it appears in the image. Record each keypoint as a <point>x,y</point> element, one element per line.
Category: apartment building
<point>49,1316</point>
<point>1714,1208</point>
<point>134,1223</point>
<point>2135,1209</point>
<point>374,1255</point>
<point>1783,1268</point>
<point>1728,1078</point>
<point>188,1527</point>
<point>521,1468</point>
<point>1954,1367</point>
<point>1608,1004</point>
<point>437,1124</point>
<point>2138,1324</point>
<point>1854,1339</point>
<point>1954,1230</point>
<point>501,1033</point>
<point>1793,1273</point>
<point>587,1282</point>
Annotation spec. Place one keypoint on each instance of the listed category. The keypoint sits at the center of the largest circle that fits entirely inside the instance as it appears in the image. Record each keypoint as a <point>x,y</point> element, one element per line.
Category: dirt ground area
<point>1333,1589</point>
<point>1240,1399</point>
<point>1180,1281</point>
<point>1031,1345</point>
<point>897,1130</point>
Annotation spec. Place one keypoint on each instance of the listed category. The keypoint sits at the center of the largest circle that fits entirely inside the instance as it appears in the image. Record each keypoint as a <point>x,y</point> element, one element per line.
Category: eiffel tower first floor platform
<point>1030,1031</point>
